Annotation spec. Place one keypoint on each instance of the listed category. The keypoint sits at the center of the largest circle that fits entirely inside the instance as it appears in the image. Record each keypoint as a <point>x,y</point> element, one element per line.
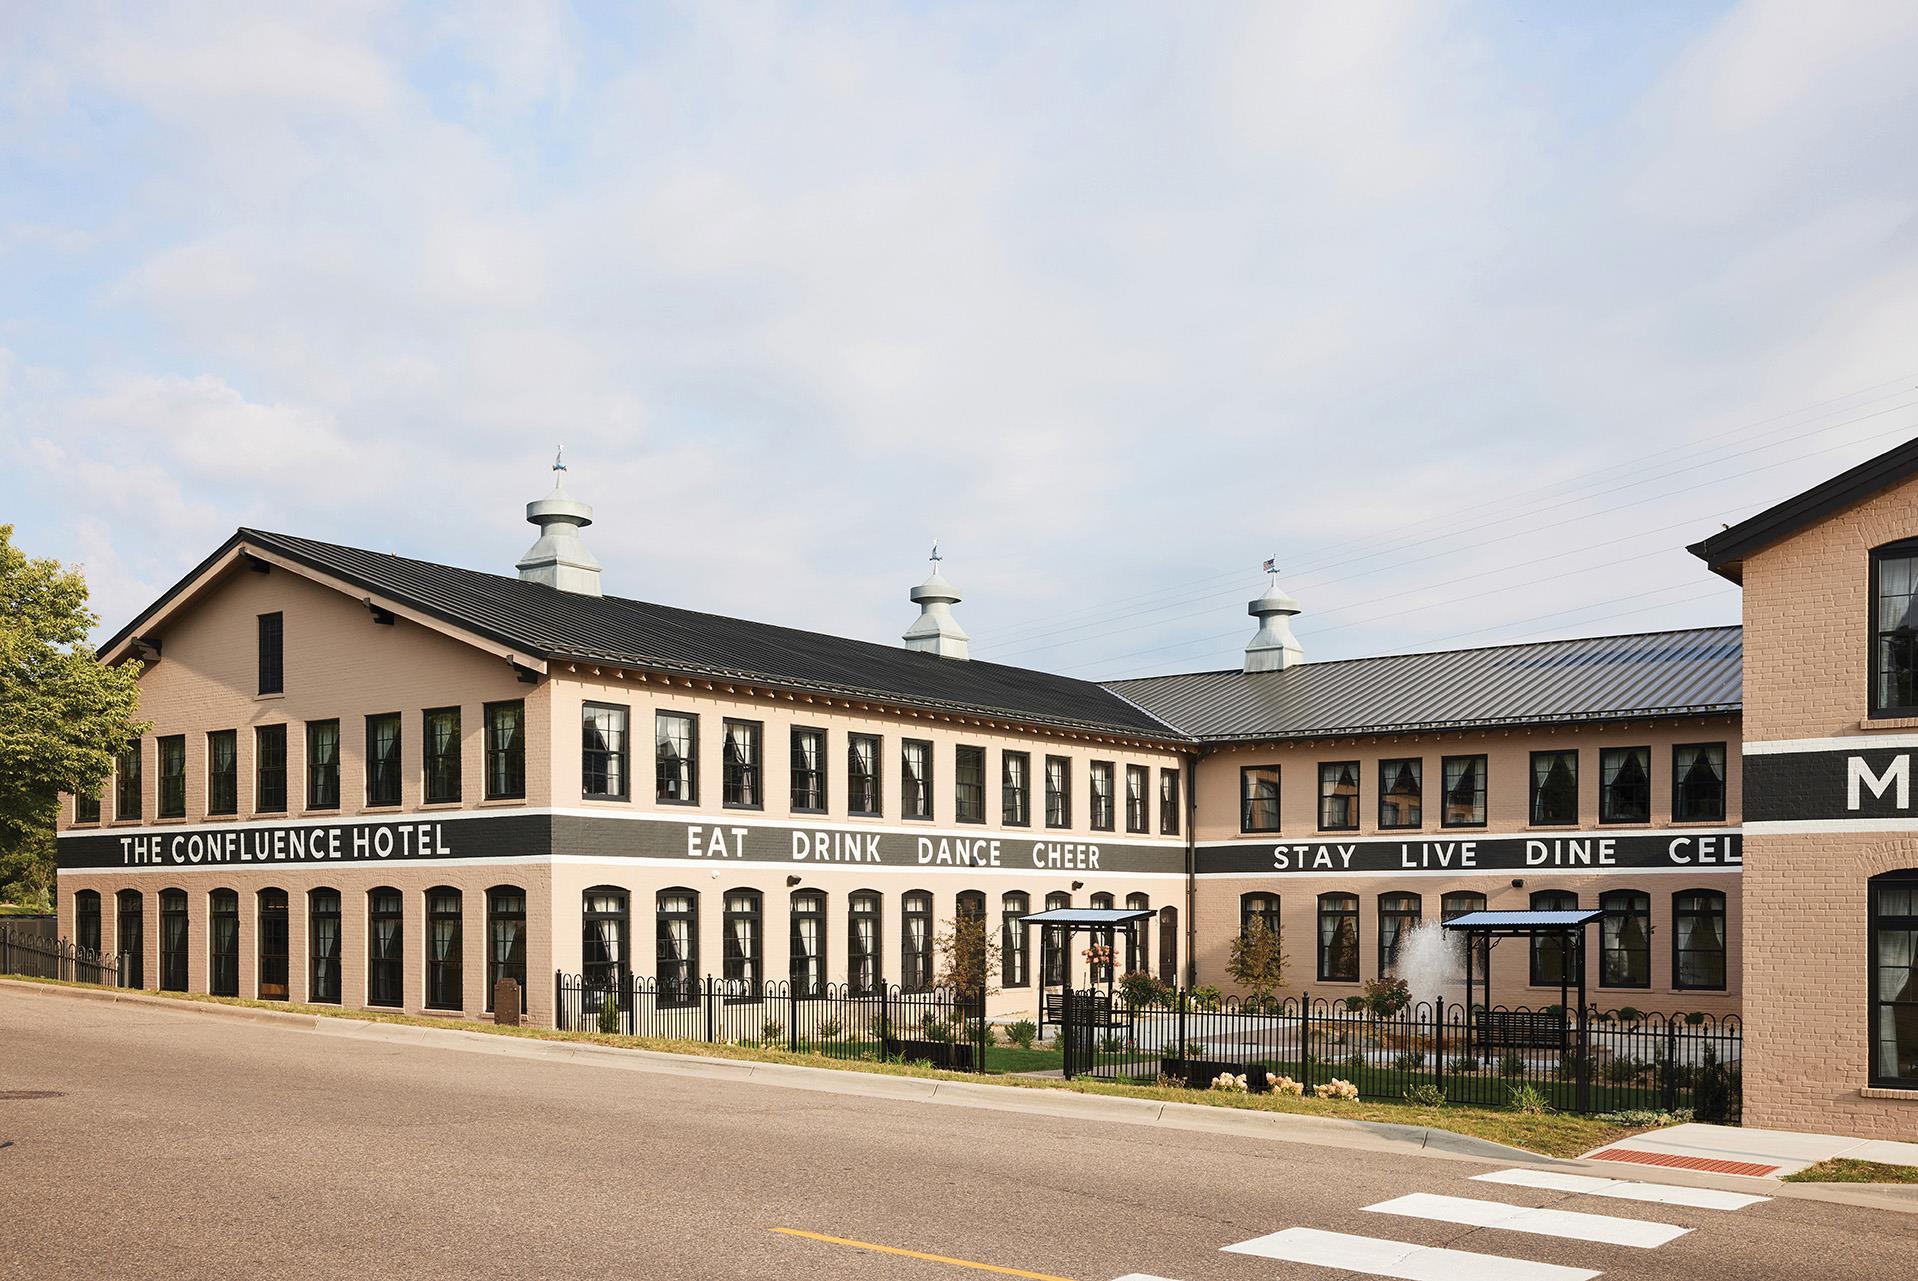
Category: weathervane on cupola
<point>1273,648</point>
<point>559,559</point>
<point>936,631</point>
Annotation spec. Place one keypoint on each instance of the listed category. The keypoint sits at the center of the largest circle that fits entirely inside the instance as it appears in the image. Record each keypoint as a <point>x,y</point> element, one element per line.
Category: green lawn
<point>1843,1170</point>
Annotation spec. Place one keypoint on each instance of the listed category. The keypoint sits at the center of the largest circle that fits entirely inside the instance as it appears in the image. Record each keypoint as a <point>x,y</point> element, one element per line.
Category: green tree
<point>968,957</point>
<point>63,716</point>
<point>1258,961</point>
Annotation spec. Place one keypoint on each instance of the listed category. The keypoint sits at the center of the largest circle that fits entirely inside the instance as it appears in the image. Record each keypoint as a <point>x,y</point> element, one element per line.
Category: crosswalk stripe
<point>1399,1259</point>
<point>1624,1189</point>
<point>1518,1218</point>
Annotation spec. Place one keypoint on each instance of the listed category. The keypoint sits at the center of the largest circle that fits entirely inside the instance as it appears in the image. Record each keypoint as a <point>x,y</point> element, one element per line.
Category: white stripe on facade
<point>1846,743</point>
<point>1458,873</point>
<point>1623,1190</point>
<point>1379,1258</point>
<point>1568,1224</point>
<point>1414,836</point>
<point>685,865</point>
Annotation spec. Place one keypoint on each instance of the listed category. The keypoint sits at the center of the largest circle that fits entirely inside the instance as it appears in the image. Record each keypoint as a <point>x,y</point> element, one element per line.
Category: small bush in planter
<point>1463,1063</point>
<point>1387,997</point>
<point>936,1029</point>
<point>1337,1090</point>
<point>1425,1096</point>
<point>1141,989</point>
<point>1022,1033</point>
<point>1630,1014</point>
<point>1696,1018</point>
<point>1410,1061</point>
<point>1354,1004</point>
<point>1206,997</point>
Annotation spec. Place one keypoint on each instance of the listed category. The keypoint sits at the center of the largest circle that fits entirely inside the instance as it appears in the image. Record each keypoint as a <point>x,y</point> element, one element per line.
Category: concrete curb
<point>1376,1136</point>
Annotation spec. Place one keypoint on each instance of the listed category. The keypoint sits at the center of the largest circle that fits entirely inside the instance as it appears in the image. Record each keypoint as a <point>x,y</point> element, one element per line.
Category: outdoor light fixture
<point>791,881</point>
<point>1518,882</point>
<point>1078,885</point>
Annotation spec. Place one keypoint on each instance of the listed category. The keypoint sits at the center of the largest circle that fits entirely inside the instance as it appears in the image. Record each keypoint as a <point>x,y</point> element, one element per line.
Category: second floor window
<point>1698,782</point>
<point>1894,632</point>
<point>969,784</point>
<point>1015,789</point>
<point>1259,798</point>
<point>915,779</point>
<point>1554,788</point>
<point>272,653</point>
<point>383,757</point>
<point>322,765</point>
<point>676,758</point>
<point>1464,792</point>
<point>1136,785</point>
<point>269,769</point>
<point>222,772</point>
<point>741,781</point>
<point>1099,785</point>
<point>173,776</point>
<point>505,750</point>
<point>1169,802</point>
<point>862,774</point>
<point>126,784</point>
<point>602,751</point>
<point>1625,785</point>
<point>1339,796</point>
<point>809,770</point>
<point>1401,793</point>
<point>1338,938</point>
<point>1058,791</point>
<point>442,755</point>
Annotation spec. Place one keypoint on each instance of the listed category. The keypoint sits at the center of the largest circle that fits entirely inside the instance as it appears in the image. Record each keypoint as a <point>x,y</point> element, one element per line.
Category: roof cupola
<point>1274,648</point>
<point>559,559</point>
<point>936,631</point>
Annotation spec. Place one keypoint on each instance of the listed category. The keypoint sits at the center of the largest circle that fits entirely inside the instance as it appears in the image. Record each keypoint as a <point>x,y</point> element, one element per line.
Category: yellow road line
<point>914,1254</point>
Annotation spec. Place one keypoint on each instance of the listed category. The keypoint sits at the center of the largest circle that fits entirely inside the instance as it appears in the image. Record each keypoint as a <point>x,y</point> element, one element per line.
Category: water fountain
<point>1432,963</point>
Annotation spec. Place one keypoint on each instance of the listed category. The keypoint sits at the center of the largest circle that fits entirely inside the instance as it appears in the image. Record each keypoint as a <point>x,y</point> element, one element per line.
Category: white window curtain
<point>1898,1008</point>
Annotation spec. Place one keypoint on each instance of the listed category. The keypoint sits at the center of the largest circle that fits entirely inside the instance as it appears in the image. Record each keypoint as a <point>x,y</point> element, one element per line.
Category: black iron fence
<point>1605,1061</point>
<point>31,953</point>
<point>839,1021</point>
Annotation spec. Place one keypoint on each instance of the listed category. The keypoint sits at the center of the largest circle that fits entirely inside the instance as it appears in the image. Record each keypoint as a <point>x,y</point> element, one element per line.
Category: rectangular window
<point>505,750</point>
<point>1698,940</point>
<point>676,758</point>
<point>385,960</point>
<point>1137,784</point>
<point>323,946</point>
<point>915,942</point>
<point>1015,952</point>
<point>1625,785</point>
<point>1401,793</point>
<point>172,752</point>
<point>740,967</point>
<point>1338,938</point>
<point>862,943</point>
<point>1625,939</point>
<point>505,941</point>
<point>808,952</point>
<point>173,934</point>
<point>862,774</point>
<point>602,752</point>
<point>272,653</point>
<point>223,944</point>
<point>1099,776</point>
<point>1338,796</point>
<point>1464,778</point>
<point>1554,788</point>
<point>969,784</point>
<point>223,772</point>
<point>322,765</point>
<point>383,760</point>
<point>444,945</point>
<point>1894,632</point>
<point>1169,802</point>
<point>1259,798</point>
<point>126,783</point>
<point>130,938</point>
<point>915,778</point>
<point>1015,789</point>
<point>809,770</point>
<point>1058,791</point>
<point>1698,783</point>
<point>676,948</point>
<point>442,755</point>
<point>740,779</point>
<point>269,769</point>
<point>1398,913</point>
<point>1893,951</point>
<point>86,807</point>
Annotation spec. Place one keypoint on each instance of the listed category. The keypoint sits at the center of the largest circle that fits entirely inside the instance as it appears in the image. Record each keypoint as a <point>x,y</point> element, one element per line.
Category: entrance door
<point>1169,945</point>
<point>273,945</point>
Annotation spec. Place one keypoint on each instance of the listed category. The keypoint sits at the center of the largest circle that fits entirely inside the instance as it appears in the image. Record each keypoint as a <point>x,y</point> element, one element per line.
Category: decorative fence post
<point>706,999</point>
<point>883,1029</point>
<point>1669,1096</point>
<point>792,1017</point>
<point>1438,1044</point>
<point>1305,1040</point>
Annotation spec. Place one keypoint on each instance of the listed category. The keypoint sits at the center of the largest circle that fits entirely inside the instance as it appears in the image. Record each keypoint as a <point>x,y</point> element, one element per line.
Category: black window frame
<point>441,767</point>
<point>605,751</point>
<point>1714,904</point>
<point>1905,1006</point>
<point>86,920</point>
<point>170,776</point>
<point>1138,799</point>
<point>679,771</point>
<point>504,761</point>
<point>322,775</point>
<point>807,906</point>
<point>865,775</point>
<point>223,954</point>
<point>1340,909</point>
<point>129,934</point>
<point>968,795</point>
<point>1058,799</point>
<point>385,760</point>
<point>1537,788</point>
<point>1398,912</point>
<point>743,969</point>
<point>1456,903</point>
<point>127,783</point>
<point>86,808</point>
<point>1449,787</point>
<point>273,944</point>
<point>1054,963</point>
<point>269,768</point>
<point>272,653</point>
<point>597,970</point>
<point>1610,789</point>
<point>1170,802</point>
<point>173,940</point>
<point>1249,775</point>
<point>386,957</point>
<point>1135,932</point>
<point>1623,904</point>
<point>445,972</point>
<point>1015,940</point>
<point>742,775</point>
<point>915,954</point>
<point>915,791</point>
<point>501,913</point>
<point>809,778</point>
<point>1553,901</point>
<point>1681,804</point>
<point>1264,905</point>
<point>1877,707</point>
<point>1401,767</point>
<point>323,968</point>
<point>1332,778</point>
<point>865,950</point>
<point>1103,808</point>
<point>1015,796</point>
<point>223,785</point>
<point>675,977</point>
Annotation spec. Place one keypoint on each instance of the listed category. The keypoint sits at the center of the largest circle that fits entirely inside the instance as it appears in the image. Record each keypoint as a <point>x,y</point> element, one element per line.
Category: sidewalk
<point>1763,1154</point>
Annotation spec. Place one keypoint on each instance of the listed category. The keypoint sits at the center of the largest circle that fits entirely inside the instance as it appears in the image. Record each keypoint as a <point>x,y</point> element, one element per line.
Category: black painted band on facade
<point>1861,783</point>
<point>1717,850</point>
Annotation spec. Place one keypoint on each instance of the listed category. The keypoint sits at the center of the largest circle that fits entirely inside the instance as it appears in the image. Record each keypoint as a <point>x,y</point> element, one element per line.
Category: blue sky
<point>1470,315</point>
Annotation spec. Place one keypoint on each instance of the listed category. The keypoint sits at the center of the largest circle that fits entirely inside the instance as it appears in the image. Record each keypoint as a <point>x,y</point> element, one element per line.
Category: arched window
<point>130,936</point>
<point>272,977</point>
<point>1894,979</point>
<point>1135,936</point>
<point>1698,940</point>
<point>1625,939</point>
<point>1459,903</point>
<point>741,963</point>
<point>970,906</point>
<point>1398,913</point>
<point>444,948</point>
<point>505,940</point>
<point>677,961</point>
<point>1015,956</point>
<point>173,940</point>
<point>862,942</point>
<point>1338,938</point>
<point>86,920</point>
<point>323,946</point>
<point>1263,908</point>
<point>808,943</point>
<point>603,935</point>
<point>1052,944</point>
<point>915,942</point>
<point>385,943</point>
<point>1102,901</point>
<point>1894,630</point>
<point>1168,944</point>
<point>1553,959</point>
<point>223,943</point>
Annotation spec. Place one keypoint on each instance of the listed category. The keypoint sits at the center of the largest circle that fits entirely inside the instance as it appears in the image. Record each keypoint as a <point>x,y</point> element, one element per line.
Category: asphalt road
<point>189,1145</point>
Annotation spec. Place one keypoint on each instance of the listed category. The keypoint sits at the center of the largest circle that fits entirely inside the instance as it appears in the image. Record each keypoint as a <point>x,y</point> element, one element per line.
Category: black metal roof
<point>1523,920</point>
<point>552,624</point>
<point>1726,550</point>
<point>1086,916</point>
<point>1591,678</point>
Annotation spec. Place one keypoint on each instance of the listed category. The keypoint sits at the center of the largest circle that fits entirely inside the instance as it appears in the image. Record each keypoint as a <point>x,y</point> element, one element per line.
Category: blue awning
<point>1087,916</point>
<point>1523,920</point>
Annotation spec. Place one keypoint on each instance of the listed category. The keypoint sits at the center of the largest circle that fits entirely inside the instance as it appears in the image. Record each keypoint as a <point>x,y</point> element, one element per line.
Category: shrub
<point>1337,1090</point>
<point>1425,1096</point>
<point>1527,1099</point>
<point>1409,1061</point>
<point>1387,997</point>
<point>1355,1063</point>
<point>1353,1005</point>
<point>1230,1084</point>
<point>1023,1033</point>
<point>609,1014</point>
<point>1141,989</point>
<point>884,1028</point>
<point>1642,1118</point>
<point>1206,997</point>
<point>1696,1018</point>
<point>1630,1014</point>
<point>1511,1064</point>
<point>1193,1050</point>
<point>1111,1043</point>
<point>1283,1085</point>
<point>771,1030</point>
<point>1625,1070</point>
<point>1715,1091</point>
<point>831,1030</point>
<point>1463,1063</point>
<point>936,1029</point>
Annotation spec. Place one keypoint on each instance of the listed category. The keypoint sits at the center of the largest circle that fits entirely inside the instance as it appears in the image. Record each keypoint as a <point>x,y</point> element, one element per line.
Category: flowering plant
<point>1283,1085</point>
<point>1098,954</point>
<point>1337,1089</point>
<point>1231,1084</point>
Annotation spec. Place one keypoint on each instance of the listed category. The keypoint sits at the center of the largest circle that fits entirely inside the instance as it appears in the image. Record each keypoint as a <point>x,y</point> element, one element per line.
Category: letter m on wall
<point>1897,774</point>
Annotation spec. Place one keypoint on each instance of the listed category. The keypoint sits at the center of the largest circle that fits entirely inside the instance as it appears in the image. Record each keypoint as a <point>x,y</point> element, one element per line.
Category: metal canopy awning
<point>1087,916</point>
<point>1519,923</point>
